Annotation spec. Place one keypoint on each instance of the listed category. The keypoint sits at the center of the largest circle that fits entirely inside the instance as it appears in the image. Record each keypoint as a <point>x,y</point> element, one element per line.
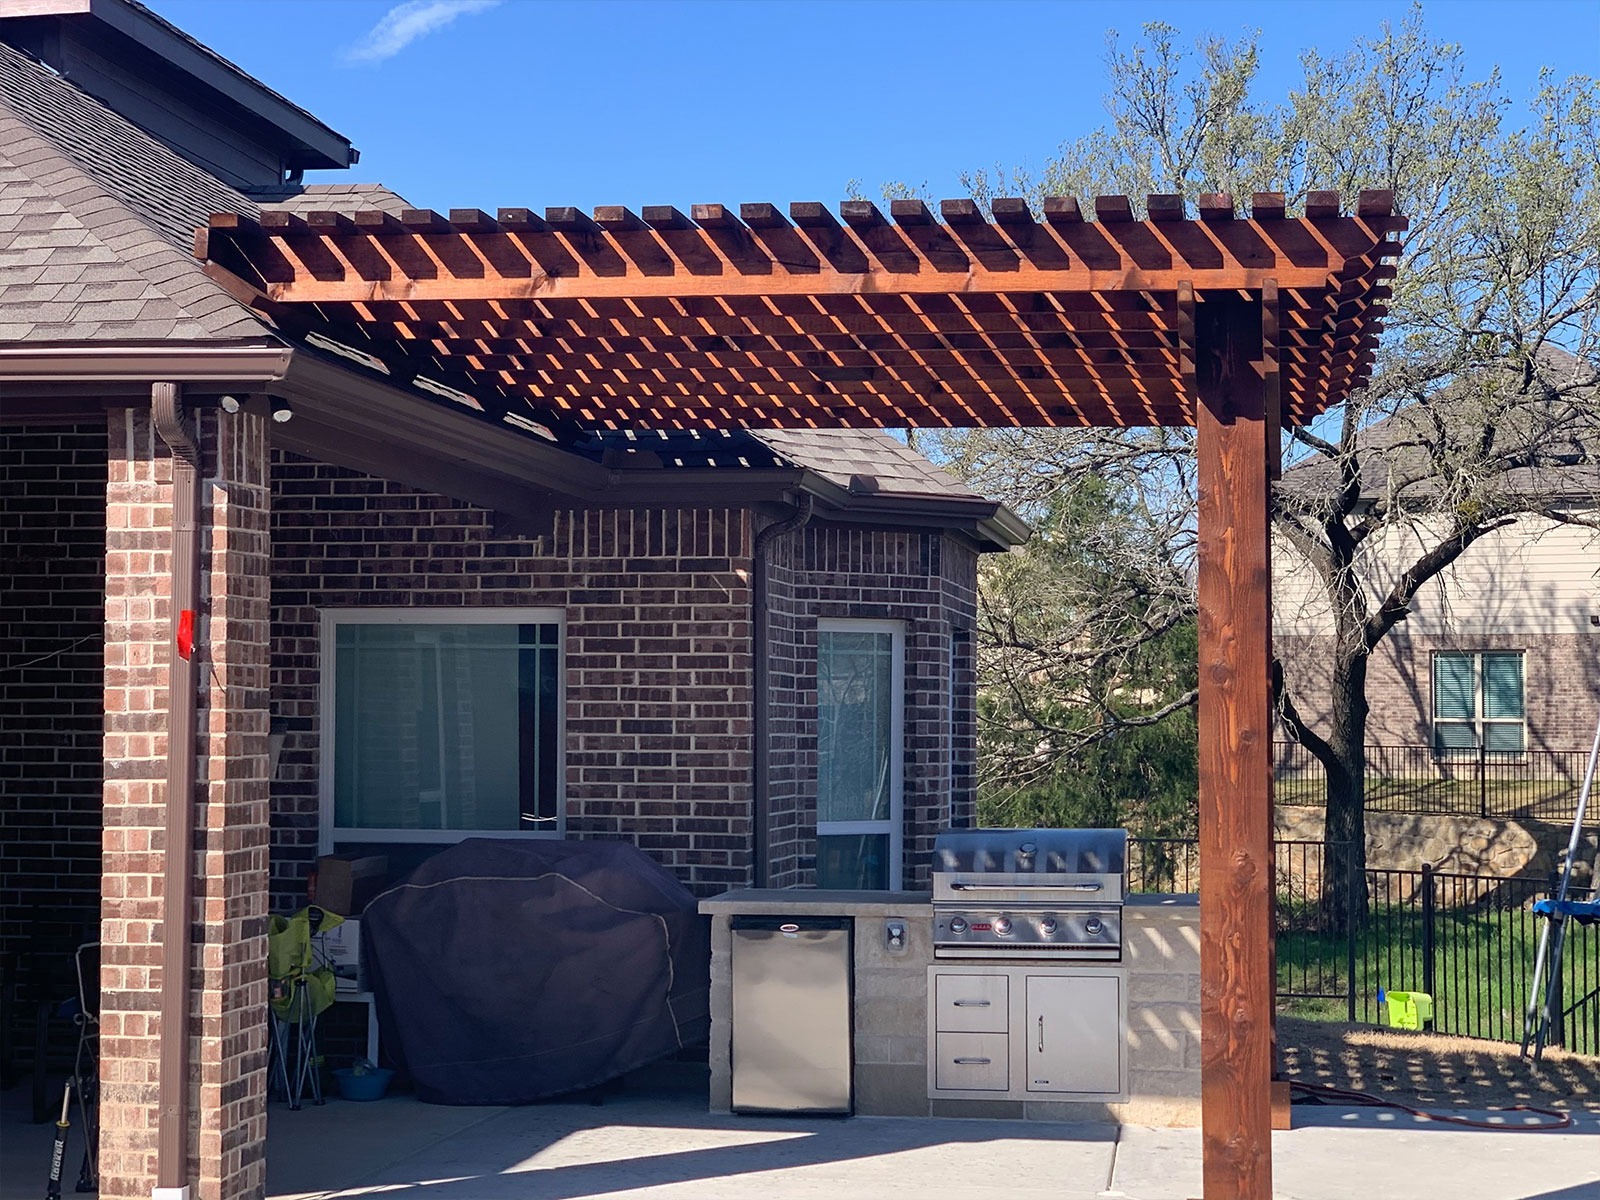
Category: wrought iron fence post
<point>1483,776</point>
<point>1427,934</point>
<point>1350,943</point>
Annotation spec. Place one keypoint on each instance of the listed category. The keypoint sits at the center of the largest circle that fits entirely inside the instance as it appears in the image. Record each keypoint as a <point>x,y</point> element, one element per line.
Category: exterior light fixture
<point>281,411</point>
<point>231,404</point>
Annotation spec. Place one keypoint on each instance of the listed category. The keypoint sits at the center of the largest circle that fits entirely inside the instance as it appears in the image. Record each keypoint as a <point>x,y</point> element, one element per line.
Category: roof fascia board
<point>413,466</point>
<point>351,403</point>
<point>996,523</point>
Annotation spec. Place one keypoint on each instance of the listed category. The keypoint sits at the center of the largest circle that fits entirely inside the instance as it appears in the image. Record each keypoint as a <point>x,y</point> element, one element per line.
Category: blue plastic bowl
<point>371,1085</point>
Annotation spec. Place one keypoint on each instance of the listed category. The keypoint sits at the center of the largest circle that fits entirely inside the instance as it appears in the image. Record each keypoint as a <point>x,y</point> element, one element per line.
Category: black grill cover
<point>508,970</point>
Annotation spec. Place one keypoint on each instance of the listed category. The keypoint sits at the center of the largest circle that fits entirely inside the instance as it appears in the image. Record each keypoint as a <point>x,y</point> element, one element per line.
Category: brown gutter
<point>172,1087</point>
<point>761,803</point>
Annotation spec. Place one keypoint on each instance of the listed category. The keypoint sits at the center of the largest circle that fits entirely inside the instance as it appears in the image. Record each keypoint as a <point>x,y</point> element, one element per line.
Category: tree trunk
<point>1344,855</point>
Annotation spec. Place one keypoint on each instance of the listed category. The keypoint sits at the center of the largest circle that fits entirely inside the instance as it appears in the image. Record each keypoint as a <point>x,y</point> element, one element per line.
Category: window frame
<point>331,835</point>
<point>895,824</point>
<point>1479,722</point>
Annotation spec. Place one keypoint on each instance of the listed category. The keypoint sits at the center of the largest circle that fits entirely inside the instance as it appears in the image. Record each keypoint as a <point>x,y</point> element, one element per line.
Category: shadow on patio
<point>657,1139</point>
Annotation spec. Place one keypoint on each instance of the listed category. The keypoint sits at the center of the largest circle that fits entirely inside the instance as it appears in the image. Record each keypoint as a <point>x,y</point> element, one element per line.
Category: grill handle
<point>972,1062</point>
<point>971,1003</point>
<point>1012,887</point>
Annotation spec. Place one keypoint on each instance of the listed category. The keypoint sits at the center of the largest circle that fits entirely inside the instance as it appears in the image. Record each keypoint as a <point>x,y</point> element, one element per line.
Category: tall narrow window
<point>860,753</point>
<point>439,726</point>
<point>1478,703</point>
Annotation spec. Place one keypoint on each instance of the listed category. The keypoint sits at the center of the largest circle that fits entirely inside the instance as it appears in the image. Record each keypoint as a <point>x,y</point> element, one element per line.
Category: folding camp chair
<point>300,986</point>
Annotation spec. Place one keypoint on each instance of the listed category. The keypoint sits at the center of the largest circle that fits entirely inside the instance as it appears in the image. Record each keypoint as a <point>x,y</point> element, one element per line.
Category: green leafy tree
<point>1485,379</point>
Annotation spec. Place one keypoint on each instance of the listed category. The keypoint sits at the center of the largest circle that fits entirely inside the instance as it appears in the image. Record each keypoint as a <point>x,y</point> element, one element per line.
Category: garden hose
<point>1324,1091</point>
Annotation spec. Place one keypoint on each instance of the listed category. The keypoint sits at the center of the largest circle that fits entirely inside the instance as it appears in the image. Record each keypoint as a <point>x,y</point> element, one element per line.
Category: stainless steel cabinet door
<point>1073,1032</point>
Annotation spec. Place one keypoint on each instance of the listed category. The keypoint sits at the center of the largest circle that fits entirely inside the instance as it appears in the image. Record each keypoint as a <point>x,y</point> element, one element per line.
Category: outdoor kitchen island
<point>1159,977</point>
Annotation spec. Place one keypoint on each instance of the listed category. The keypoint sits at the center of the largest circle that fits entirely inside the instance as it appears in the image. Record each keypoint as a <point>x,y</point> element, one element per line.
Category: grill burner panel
<point>1029,894</point>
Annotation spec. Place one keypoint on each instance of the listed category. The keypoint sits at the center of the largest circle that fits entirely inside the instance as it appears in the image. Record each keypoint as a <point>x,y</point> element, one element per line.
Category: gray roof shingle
<point>89,197</point>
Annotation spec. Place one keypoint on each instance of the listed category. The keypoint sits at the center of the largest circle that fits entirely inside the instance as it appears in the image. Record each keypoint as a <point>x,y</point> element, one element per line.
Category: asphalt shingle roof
<point>1544,446</point>
<point>841,454</point>
<point>96,241</point>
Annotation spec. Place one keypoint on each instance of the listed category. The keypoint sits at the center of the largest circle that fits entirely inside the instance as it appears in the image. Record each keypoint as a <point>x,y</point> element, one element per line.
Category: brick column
<point>228,964</point>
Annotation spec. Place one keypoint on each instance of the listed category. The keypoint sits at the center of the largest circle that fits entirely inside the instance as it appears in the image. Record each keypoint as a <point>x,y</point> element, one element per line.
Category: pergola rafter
<point>668,321</point>
<point>717,319</point>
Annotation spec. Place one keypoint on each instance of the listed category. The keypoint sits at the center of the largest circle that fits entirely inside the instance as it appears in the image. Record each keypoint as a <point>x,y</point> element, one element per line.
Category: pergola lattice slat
<point>665,321</point>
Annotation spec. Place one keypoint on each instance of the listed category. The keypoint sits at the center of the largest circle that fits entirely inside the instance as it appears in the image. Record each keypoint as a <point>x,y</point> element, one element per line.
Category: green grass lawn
<point>1483,961</point>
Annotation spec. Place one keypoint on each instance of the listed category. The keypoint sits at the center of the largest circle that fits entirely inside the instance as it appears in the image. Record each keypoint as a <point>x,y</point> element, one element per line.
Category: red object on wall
<point>186,634</point>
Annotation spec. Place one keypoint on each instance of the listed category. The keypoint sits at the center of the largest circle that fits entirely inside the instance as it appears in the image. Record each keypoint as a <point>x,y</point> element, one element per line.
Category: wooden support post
<point>1236,865</point>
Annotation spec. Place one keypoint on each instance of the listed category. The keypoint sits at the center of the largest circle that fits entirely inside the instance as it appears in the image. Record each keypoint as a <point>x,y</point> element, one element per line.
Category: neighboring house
<point>1500,651</point>
<point>749,653</point>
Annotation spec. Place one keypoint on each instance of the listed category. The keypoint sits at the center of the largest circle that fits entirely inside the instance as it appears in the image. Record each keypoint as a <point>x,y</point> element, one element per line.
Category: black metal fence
<point>1469,941</point>
<point>1539,785</point>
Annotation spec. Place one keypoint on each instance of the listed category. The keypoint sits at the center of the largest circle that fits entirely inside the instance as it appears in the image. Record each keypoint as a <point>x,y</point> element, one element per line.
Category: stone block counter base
<point>1161,958</point>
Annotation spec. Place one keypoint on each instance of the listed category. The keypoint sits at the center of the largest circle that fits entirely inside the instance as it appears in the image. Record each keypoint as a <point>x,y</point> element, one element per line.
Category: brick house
<point>1500,651</point>
<point>749,653</point>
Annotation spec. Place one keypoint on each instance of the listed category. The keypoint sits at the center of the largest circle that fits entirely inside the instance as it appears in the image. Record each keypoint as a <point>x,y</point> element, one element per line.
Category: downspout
<point>172,1088</point>
<point>761,806</point>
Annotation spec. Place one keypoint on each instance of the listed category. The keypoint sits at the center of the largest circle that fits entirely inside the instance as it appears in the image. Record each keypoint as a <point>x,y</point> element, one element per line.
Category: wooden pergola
<point>562,323</point>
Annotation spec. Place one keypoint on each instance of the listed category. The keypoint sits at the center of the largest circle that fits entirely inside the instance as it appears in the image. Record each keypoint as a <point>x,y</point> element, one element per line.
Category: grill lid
<point>1030,866</point>
<point>1038,853</point>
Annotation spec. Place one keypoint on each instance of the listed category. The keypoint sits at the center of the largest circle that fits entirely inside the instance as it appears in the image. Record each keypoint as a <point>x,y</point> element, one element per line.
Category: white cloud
<point>405,23</point>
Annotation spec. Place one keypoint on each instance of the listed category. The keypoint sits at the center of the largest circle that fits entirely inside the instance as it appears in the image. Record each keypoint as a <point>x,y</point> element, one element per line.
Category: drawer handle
<point>971,1004</point>
<point>972,1062</point>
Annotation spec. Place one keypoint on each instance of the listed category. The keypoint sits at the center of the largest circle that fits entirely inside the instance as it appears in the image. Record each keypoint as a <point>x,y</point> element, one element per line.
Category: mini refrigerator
<point>791,1014</point>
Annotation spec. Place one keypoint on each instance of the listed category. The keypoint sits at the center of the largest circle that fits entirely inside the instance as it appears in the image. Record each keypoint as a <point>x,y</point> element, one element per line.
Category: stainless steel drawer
<point>971,1003</point>
<point>972,1062</point>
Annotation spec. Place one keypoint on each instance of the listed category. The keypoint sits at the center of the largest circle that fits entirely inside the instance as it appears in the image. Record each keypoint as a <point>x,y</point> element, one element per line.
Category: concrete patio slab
<point>653,1149</point>
<point>655,1146</point>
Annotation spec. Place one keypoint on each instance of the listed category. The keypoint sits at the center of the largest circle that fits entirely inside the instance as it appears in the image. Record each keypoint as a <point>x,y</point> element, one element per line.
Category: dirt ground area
<point>1433,1070</point>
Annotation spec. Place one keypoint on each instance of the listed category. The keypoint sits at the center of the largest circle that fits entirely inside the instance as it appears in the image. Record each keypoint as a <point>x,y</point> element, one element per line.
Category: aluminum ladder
<point>1539,1016</point>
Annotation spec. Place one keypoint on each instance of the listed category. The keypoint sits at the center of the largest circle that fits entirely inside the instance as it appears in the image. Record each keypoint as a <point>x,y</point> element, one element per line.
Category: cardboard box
<point>344,885</point>
<point>341,950</point>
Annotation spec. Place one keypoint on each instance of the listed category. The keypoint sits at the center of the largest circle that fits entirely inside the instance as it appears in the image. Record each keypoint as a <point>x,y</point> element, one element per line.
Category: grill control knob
<point>1093,927</point>
<point>958,924</point>
<point>1048,926</point>
<point>1002,925</point>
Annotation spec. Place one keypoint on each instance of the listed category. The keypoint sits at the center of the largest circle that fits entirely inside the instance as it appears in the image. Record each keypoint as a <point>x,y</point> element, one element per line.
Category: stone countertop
<point>822,901</point>
<point>815,901</point>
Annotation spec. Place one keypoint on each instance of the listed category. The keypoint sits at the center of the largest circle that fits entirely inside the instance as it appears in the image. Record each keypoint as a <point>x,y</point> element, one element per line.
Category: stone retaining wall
<point>1468,845</point>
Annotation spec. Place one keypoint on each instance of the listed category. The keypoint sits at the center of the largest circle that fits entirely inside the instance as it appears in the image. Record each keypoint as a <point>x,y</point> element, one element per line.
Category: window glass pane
<point>855,697</point>
<point>444,726</point>
<point>1502,685</point>
<point>853,861</point>
<point>1453,687</point>
<point>1454,735</point>
<point>1503,737</point>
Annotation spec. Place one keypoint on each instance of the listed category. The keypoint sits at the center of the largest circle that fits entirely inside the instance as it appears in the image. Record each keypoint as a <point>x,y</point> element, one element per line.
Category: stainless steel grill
<point>1029,893</point>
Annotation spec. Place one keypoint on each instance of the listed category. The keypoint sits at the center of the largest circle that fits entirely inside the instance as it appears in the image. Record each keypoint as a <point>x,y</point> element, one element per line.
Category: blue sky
<point>543,102</point>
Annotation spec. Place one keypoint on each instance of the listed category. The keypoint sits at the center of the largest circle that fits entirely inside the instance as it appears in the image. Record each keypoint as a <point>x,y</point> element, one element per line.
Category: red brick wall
<point>658,638</point>
<point>228,963</point>
<point>52,595</point>
<point>657,607</point>
<point>925,580</point>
